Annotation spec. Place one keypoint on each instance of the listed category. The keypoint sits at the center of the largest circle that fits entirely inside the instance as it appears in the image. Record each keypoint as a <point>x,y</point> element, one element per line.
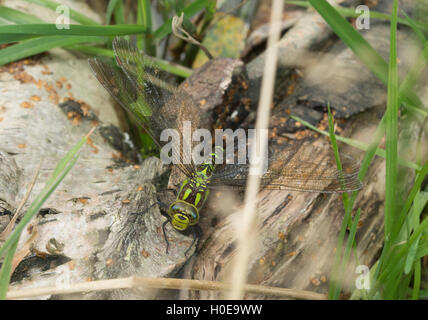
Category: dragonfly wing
<point>172,108</point>
<point>139,88</point>
<point>294,169</point>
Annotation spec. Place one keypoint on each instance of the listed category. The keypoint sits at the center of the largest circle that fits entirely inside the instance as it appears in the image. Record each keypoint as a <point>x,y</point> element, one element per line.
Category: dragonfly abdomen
<point>195,189</point>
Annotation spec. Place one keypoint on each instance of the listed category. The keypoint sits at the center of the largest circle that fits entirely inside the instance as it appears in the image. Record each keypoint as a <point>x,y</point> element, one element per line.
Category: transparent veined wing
<point>295,168</point>
<point>139,87</point>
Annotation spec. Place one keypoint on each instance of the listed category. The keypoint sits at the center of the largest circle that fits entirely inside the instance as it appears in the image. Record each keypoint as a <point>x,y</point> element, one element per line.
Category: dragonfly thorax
<point>183,215</point>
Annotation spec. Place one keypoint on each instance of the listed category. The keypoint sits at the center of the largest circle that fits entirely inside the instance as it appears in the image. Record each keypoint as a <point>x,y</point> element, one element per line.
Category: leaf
<point>224,39</point>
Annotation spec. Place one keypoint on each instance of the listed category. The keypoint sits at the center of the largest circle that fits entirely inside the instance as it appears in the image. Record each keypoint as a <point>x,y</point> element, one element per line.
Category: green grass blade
<point>414,217</point>
<point>347,219</point>
<point>46,29</point>
<point>140,20</point>
<point>75,15</point>
<point>403,287</point>
<point>334,286</point>
<point>110,9</point>
<point>421,229</point>
<point>391,134</point>
<point>347,254</point>
<point>423,247</point>
<point>6,269</point>
<point>368,158</point>
<point>394,266</point>
<point>391,124</point>
<point>119,14</point>
<point>17,16</point>
<point>145,19</point>
<point>332,136</point>
<point>335,149</point>
<point>416,281</point>
<point>31,47</point>
<point>412,222</point>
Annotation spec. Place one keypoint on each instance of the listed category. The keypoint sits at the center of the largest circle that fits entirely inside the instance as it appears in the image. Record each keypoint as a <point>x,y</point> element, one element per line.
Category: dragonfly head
<point>183,215</point>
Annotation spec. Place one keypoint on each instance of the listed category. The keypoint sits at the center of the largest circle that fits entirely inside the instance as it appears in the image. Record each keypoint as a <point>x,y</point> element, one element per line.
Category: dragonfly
<point>135,82</point>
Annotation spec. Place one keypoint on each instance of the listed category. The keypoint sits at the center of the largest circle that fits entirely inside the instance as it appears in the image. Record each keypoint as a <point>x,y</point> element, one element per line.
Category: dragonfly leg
<point>197,233</point>
<point>163,205</point>
<point>175,191</point>
<point>164,235</point>
<point>170,190</point>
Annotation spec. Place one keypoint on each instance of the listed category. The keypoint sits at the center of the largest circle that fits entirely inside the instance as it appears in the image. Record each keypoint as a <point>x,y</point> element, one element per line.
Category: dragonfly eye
<point>180,222</point>
<point>183,215</point>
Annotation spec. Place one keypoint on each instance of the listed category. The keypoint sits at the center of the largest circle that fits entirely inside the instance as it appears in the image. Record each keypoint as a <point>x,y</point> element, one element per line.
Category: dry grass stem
<point>160,283</point>
<point>246,228</point>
